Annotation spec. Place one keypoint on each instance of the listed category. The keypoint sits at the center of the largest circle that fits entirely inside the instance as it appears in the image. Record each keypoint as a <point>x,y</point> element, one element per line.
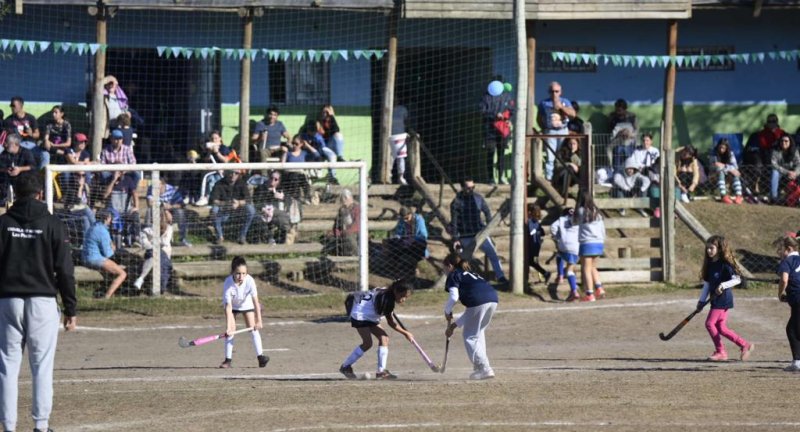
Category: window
<point>706,66</point>
<point>546,63</point>
<point>299,82</point>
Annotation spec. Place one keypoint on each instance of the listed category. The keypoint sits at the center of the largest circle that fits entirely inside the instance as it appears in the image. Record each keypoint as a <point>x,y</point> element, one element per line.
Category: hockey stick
<point>421,352</point>
<point>680,325</point>
<point>446,351</point>
<point>184,343</point>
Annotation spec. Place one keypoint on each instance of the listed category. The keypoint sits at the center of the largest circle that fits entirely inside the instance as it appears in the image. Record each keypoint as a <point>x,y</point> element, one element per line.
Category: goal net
<point>298,234</point>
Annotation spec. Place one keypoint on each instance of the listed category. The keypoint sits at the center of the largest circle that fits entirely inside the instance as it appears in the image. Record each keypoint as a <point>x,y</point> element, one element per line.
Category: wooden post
<point>519,186</point>
<point>244,90</point>
<point>99,119</point>
<point>388,100</point>
<point>530,117</point>
<point>588,168</point>
<point>667,160</point>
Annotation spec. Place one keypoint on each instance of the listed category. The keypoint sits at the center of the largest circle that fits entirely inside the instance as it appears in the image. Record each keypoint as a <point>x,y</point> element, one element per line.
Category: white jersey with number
<point>240,297</point>
<point>364,306</point>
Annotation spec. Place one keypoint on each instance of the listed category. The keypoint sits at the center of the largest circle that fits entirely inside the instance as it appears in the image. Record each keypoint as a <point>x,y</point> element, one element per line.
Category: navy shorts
<point>237,312</point>
<point>361,324</point>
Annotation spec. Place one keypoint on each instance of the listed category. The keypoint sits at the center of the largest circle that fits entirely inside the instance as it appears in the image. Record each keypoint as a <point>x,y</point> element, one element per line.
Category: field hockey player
<point>365,310</point>
<point>240,296</point>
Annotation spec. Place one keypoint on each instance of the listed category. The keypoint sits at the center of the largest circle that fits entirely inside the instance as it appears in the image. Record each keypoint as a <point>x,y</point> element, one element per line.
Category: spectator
<point>275,207</point>
<point>191,181</point>
<point>687,172</point>
<point>408,243</point>
<point>630,183</point>
<point>118,154</point>
<point>575,124</point>
<point>466,210</point>
<point>13,161</point>
<point>76,185</point>
<point>496,112</point>
<point>296,181</point>
<point>58,135</point>
<point>329,128</point>
<point>648,157</point>
<point>723,163</point>
<point>785,166</point>
<point>36,266</point>
<point>25,125</point>
<point>315,139</point>
<point>116,102</point>
<point>128,132</point>
<point>553,117</point>
<point>622,115</point>
<point>171,199</point>
<point>231,197</point>
<point>267,135</point>
<point>768,137</point>
<point>397,141</point>
<point>214,149</point>
<point>97,251</point>
<point>343,239</point>
<point>569,154</point>
<point>166,252</point>
<point>120,197</point>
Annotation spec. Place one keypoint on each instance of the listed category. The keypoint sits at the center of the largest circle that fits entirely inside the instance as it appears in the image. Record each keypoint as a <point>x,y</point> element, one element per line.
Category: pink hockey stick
<point>184,343</point>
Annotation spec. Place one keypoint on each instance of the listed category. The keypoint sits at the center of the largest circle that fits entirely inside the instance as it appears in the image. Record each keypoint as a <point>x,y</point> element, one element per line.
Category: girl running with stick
<point>365,310</point>
<point>480,300</point>
<point>240,296</point>
<point>720,273</point>
<point>789,292</point>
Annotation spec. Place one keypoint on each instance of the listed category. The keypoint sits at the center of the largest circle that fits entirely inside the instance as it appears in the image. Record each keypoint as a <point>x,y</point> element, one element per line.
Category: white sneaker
<point>684,198</point>
<point>622,212</point>
<point>482,375</point>
<point>203,201</point>
<point>403,181</point>
<point>642,213</point>
<point>792,368</point>
<point>138,284</point>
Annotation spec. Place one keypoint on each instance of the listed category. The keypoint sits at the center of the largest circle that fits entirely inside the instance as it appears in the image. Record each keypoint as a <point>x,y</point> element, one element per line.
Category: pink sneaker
<point>657,212</point>
<point>589,298</point>
<point>746,350</point>
<point>727,200</point>
<point>600,293</point>
<point>718,357</point>
<point>738,199</point>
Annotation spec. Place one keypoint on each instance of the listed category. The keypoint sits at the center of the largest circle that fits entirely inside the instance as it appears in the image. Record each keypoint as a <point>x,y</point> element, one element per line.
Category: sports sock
<point>257,342</point>
<point>573,282</point>
<point>598,286</point>
<point>383,354</point>
<point>354,356</point>
<point>560,266</point>
<point>228,347</point>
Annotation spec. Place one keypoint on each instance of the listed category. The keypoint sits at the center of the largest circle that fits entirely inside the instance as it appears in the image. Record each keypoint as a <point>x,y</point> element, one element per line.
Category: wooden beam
<point>18,7</point>
<point>244,88</point>
<point>99,114</point>
<point>388,101</point>
<point>667,160</point>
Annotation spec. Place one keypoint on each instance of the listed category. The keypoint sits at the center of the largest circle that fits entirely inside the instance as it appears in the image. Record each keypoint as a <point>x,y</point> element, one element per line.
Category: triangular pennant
<point>782,54</point>
<point>746,58</point>
<point>759,57</point>
<point>43,45</point>
<point>772,55</point>
<point>286,54</point>
<point>586,58</point>
<point>253,53</point>
<point>679,60</point>
<point>736,58</point>
<point>792,55</point>
<point>317,55</point>
<point>326,55</point>
<point>652,60</point>
<point>93,48</point>
<point>357,54</point>
<point>616,60</point>
<point>18,45</point>
<point>176,51</point>
<point>335,56</point>
<point>572,58</point>
<point>605,59</point>
<point>272,55</point>
<point>639,60</point>
<point>68,46</point>
<point>667,60</point>
<point>343,53</point>
<point>81,48</point>
<point>196,53</point>
<point>57,47</point>
<point>241,53</point>
<point>559,55</point>
<point>4,43</point>
<point>692,60</point>
<point>312,55</point>
<point>228,52</point>
<point>626,60</point>
<point>719,58</point>
<point>31,46</point>
<point>379,54</point>
<point>299,55</point>
<point>161,50</point>
<point>187,53</point>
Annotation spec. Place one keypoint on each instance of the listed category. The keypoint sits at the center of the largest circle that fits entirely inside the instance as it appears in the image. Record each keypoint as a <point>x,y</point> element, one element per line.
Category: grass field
<point>598,366</point>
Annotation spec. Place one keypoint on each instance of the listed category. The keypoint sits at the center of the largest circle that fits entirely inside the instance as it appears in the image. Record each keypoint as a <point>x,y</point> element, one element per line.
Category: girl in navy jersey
<point>480,300</point>
<point>789,292</point>
<point>365,310</point>
<point>240,296</point>
<point>720,273</point>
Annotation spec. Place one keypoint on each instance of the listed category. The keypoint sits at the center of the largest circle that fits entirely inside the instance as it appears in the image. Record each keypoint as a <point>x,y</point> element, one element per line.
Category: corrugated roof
<point>229,4</point>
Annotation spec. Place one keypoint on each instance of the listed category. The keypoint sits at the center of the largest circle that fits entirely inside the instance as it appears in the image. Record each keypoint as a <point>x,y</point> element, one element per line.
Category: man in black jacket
<point>35,266</point>
<point>231,196</point>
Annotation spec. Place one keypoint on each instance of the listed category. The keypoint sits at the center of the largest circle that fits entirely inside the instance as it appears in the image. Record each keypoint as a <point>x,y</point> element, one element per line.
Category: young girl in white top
<point>591,236</point>
<point>365,310</point>
<point>240,296</point>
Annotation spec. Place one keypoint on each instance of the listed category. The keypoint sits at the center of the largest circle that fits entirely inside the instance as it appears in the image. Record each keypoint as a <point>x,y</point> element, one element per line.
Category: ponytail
<point>454,259</point>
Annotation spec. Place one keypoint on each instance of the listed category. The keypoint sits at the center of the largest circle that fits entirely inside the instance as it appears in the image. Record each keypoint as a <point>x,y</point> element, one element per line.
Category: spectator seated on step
<point>119,195</point>
<point>648,158</point>
<point>687,172</point>
<point>267,135</point>
<point>231,199</point>
<point>621,115</point>
<point>724,166</point>
<point>630,182</point>
<point>116,153</point>
<point>622,145</point>
<point>408,243</point>
<point>58,135</point>
<point>170,198</point>
<point>570,154</point>
<point>278,210</point>
<point>785,169</point>
<point>342,240</point>
<point>25,125</point>
<point>98,249</point>
<point>14,161</point>
<point>295,180</point>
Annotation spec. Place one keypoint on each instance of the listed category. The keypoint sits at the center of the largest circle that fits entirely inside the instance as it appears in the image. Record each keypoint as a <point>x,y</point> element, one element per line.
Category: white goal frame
<point>156,169</point>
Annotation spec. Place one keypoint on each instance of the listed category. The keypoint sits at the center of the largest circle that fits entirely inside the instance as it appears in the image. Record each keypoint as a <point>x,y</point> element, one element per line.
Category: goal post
<point>153,175</point>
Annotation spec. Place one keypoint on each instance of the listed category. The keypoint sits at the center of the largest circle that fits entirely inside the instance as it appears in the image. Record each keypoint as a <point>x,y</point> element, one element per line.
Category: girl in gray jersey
<point>591,236</point>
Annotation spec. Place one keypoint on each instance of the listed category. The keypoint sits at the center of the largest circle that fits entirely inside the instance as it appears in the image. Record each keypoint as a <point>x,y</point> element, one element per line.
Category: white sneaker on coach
<point>684,198</point>
<point>482,374</point>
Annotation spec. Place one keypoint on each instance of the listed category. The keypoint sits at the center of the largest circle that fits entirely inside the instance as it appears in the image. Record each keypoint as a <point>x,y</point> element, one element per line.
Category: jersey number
<point>366,298</point>
<point>473,275</point>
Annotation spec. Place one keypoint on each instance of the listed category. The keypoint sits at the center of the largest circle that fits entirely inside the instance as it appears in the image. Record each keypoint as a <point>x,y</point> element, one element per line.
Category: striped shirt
<point>122,156</point>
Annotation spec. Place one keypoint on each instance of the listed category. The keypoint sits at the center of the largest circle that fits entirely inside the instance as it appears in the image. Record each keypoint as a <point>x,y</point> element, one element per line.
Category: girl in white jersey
<point>365,310</point>
<point>240,296</point>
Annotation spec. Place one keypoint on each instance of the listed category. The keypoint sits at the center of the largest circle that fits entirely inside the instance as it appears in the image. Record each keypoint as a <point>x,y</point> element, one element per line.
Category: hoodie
<point>35,256</point>
<point>627,182</point>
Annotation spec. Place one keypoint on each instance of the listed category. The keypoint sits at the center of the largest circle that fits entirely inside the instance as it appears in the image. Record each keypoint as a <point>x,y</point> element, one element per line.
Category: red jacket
<point>767,137</point>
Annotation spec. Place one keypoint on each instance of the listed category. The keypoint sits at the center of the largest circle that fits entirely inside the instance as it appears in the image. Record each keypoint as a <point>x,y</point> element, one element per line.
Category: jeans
<point>775,183</point>
<point>488,248</point>
<point>223,215</point>
<point>336,142</point>
<point>41,155</point>
<point>553,144</point>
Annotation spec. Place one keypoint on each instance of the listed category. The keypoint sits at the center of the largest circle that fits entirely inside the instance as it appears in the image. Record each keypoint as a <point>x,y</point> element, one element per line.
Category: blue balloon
<point>496,88</point>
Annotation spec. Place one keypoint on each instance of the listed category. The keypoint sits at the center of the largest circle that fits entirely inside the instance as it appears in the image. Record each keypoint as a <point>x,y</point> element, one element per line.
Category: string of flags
<point>660,61</point>
<point>33,46</point>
